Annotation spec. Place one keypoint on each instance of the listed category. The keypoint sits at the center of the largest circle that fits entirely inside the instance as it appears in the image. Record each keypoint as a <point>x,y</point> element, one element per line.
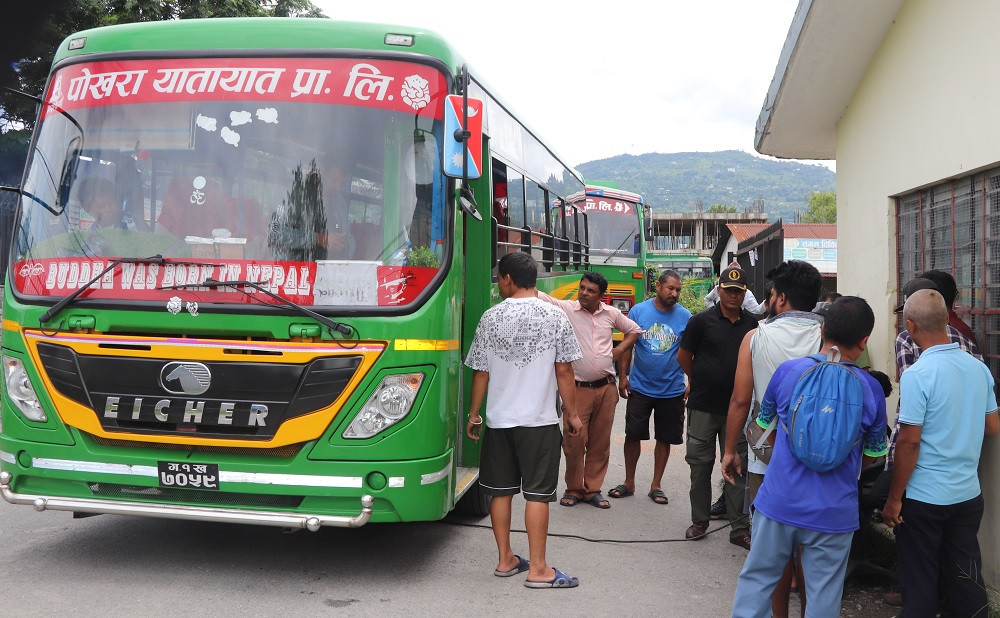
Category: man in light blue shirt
<point>655,386</point>
<point>947,406</point>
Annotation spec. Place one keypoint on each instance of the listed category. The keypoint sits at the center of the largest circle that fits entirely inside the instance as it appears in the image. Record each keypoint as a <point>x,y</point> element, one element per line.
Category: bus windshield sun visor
<point>155,259</point>
<point>344,329</point>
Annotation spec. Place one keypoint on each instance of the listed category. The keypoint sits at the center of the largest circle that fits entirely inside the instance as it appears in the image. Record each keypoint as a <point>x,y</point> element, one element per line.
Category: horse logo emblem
<point>185,378</point>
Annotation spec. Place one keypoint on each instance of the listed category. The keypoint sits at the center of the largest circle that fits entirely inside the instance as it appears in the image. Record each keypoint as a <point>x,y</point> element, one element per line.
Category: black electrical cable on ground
<point>590,540</point>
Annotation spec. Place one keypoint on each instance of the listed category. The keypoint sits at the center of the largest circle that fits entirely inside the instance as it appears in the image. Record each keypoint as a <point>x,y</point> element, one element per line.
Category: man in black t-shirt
<point>708,354</point>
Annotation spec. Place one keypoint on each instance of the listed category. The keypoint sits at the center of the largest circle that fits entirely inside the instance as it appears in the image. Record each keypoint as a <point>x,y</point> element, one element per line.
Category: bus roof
<point>253,33</point>
<point>616,194</point>
<point>274,34</point>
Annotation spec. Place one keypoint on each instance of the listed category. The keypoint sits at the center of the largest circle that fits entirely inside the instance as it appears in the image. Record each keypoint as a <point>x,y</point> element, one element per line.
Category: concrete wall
<point>924,111</point>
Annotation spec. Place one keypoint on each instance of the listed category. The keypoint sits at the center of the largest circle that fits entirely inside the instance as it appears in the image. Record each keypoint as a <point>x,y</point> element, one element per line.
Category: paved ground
<point>110,565</point>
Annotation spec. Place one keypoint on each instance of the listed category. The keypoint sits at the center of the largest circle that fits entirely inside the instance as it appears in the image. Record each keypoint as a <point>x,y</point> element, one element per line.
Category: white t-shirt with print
<point>517,342</point>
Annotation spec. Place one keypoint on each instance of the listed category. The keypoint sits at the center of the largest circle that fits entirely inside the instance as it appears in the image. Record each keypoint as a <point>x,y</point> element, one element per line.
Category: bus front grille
<point>290,450</point>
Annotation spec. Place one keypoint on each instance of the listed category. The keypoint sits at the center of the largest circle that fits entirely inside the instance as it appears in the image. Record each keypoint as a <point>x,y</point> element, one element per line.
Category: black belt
<point>596,383</point>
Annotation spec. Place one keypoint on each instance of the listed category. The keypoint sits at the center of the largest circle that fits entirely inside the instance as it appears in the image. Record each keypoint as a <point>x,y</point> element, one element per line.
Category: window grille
<point>955,227</point>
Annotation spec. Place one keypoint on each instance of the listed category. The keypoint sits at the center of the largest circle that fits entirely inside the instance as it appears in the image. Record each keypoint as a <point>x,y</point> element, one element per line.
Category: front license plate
<point>189,475</point>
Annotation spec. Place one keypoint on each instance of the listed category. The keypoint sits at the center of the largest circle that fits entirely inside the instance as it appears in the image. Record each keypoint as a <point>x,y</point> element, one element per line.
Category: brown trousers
<point>587,454</point>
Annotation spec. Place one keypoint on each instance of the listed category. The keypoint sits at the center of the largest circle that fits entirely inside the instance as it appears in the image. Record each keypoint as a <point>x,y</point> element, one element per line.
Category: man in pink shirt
<point>588,452</point>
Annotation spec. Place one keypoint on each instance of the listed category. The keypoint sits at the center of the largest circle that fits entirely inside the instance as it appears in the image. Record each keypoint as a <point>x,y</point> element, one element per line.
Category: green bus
<point>696,271</point>
<point>618,228</point>
<point>248,259</point>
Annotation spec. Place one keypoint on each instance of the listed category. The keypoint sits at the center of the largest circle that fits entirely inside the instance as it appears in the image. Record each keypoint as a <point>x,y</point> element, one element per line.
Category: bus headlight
<point>389,404</point>
<point>20,391</point>
<point>621,304</point>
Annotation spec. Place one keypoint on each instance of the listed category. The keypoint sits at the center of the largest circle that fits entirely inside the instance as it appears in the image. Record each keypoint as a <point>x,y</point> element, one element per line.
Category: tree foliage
<point>722,208</point>
<point>675,182</point>
<point>31,64</point>
<point>822,208</point>
<point>690,299</point>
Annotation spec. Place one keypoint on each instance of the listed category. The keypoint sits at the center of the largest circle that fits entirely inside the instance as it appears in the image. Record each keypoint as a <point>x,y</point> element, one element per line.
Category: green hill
<point>677,182</point>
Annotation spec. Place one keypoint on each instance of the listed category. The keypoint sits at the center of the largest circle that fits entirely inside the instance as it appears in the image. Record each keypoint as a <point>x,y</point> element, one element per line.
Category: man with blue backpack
<point>829,417</point>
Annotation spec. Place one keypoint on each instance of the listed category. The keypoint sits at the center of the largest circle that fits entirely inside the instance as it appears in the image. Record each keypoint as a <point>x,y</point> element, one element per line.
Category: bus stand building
<point>899,94</point>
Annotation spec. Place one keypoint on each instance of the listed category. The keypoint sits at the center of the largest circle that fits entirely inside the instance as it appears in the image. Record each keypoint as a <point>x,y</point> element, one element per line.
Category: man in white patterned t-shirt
<point>522,352</point>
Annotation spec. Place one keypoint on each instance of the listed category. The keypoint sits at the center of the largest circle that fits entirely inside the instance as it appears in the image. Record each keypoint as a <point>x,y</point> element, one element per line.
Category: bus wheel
<point>475,502</point>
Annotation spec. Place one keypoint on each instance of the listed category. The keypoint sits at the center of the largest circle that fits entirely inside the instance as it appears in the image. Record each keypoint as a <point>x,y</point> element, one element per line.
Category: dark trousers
<point>935,540</point>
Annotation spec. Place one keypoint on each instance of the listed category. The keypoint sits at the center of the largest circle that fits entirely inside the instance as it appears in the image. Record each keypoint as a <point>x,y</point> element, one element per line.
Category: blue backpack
<point>825,412</point>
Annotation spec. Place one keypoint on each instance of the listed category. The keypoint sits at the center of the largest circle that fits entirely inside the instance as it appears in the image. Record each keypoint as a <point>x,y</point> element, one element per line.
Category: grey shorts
<point>521,459</point>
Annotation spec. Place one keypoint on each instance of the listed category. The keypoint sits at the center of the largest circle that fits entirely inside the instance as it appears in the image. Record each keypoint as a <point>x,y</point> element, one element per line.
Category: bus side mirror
<point>647,217</point>
<point>467,201</point>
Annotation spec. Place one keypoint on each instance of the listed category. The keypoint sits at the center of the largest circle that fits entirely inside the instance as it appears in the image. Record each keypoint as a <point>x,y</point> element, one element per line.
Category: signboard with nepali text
<point>820,252</point>
<point>384,84</point>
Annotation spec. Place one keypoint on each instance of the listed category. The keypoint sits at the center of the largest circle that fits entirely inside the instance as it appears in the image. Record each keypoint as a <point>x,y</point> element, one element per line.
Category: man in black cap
<point>708,354</point>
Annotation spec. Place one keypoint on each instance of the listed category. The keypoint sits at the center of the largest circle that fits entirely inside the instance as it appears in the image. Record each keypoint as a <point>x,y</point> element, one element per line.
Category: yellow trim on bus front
<point>426,344</point>
<point>293,431</point>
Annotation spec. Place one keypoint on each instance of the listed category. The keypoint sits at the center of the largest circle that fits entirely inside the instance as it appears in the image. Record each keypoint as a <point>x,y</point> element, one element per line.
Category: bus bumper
<point>194,513</point>
<point>299,493</point>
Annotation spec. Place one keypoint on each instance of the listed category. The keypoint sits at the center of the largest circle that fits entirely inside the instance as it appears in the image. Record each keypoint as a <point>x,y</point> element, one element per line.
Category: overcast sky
<point>599,79</point>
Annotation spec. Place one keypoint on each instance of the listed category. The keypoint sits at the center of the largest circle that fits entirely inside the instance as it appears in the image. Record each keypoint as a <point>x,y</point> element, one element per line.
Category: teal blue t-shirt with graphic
<point>655,370</point>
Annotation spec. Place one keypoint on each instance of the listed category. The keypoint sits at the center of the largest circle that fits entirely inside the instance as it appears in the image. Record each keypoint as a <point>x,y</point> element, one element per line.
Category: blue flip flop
<point>522,566</point>
<point>561,580</point>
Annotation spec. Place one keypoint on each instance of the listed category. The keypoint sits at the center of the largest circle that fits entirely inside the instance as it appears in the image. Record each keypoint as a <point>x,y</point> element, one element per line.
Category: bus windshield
<point>318,178</point>
<point>613,227</point>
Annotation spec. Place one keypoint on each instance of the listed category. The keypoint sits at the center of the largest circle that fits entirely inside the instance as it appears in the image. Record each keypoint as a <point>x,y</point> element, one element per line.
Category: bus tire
<point>475,502</point>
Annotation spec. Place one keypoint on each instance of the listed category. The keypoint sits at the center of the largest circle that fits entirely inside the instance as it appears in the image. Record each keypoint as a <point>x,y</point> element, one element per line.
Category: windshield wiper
<point>615,252</point>
<point>59,306</point>
<point>341,328</point>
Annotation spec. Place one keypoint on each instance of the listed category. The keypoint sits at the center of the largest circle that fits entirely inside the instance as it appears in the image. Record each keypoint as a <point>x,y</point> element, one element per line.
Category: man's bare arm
<point>739,409</point>
<point>480,382</point>
<point>992,423</point>
<point>566,383</point>
<point>624,364</point>
<point>625,346</point>
<point>686,360</point>
<point>904,461</point>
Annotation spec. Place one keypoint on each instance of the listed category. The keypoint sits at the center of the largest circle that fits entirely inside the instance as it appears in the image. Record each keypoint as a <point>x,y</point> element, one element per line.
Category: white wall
<point>727,255</point>
<point>924,111</point>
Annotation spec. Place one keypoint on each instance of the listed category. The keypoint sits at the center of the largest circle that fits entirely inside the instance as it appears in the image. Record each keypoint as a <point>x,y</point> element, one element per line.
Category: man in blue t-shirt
<point>655,384</point>
<point>946,406</point>
<point>797,505</point>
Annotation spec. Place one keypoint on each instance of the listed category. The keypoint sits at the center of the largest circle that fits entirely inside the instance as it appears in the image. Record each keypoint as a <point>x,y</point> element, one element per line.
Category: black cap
<point>733,277</point>
<point>912,286</point>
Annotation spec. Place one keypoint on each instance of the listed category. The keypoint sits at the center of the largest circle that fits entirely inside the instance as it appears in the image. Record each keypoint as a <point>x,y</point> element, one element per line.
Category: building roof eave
<point>829,46</point>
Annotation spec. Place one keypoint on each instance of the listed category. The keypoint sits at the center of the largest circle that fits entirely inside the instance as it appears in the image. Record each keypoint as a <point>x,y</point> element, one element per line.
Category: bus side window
<point>576,236</point>
<point>534,203</point>
<point>499,208</point>
<point>562,240</point>
<point>516,238</point>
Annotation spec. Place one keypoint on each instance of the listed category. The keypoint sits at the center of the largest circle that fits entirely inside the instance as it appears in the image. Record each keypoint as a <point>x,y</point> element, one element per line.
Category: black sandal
<point>599,501</point>
<point>568,500</point>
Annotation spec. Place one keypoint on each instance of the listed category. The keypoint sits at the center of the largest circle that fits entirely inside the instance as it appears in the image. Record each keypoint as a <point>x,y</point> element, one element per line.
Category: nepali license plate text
<point>189,475</point>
